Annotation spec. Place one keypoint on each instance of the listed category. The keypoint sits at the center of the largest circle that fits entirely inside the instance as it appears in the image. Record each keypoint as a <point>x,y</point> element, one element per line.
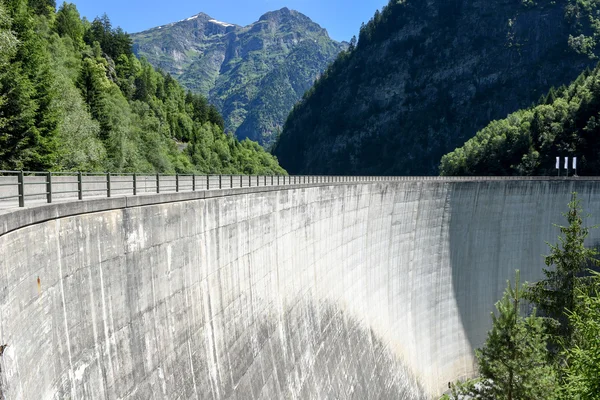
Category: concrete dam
<point>361,290</point>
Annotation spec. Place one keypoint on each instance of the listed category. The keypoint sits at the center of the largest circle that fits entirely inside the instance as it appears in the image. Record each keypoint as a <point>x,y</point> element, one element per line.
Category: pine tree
<point>556,295</point>
<point>27,91</point>
<point>43,7</point>
<point>582,366</point>
<point>68,23</point>
<point>8,48</point>
<point>513,363</point>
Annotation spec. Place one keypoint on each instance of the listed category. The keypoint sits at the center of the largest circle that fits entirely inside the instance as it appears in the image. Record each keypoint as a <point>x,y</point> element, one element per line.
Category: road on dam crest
<point>370,290</point>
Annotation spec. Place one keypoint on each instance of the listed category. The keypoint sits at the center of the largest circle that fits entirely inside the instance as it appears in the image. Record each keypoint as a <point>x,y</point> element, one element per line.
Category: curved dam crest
<point>372,290</point>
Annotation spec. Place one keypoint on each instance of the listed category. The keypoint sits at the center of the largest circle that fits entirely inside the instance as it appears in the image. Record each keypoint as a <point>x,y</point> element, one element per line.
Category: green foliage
<point>565,123</point>
<point>113,42</point>
<point>68,23</point>
<point>557,293</point>
<point>582,367</point>
<point>8,41</point>
<point>584,16</point>
<point>28,139</point>
<point>74,97</point>
<point>513,363</point>
<point>43,7</point>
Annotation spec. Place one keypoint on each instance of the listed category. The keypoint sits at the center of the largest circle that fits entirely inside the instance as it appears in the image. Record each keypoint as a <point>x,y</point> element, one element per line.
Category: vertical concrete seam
<point>62,294</point>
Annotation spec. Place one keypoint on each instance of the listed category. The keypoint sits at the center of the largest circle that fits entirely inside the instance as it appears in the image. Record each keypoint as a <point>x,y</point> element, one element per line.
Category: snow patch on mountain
<point>225,24</point>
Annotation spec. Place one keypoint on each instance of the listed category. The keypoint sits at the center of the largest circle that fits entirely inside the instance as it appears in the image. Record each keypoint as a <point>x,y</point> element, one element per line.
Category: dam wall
<point>347,291</point>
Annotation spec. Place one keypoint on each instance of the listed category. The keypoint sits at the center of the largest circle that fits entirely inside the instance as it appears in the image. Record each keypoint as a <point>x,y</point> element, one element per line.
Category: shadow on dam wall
<point>504,227</point>
<point>350,291</point>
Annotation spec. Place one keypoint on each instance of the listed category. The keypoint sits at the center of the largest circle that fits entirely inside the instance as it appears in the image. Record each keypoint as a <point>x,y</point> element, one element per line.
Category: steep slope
<point>527,142</point>
<point>253,74</point>
<point>425,76</point>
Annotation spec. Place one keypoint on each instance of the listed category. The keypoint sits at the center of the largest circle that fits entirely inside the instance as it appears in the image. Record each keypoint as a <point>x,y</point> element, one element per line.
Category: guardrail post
<point>134,184</point>
<point>49,187</point>
<point>257,180</point>
<point>249,180</point>
<point>271,180</point>
<point>193,182</point>
<point>108,184</point>
<point>21,182</point>
<point>177,182</point>
<point>79,186</point>
<point>277,180</point>
<point>241,182</point>
<point>207,182</point>
<point>230,181</point>
<point>265,180</point>
<point>157,183</point>
<point>220,182</point>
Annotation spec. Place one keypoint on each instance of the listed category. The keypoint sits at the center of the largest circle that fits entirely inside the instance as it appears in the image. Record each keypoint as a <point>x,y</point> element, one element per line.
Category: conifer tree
<point>582,366</point>
<point>29,138</point>
<point>513,363</point>
<point>556,295</point>
<point>68,23</point>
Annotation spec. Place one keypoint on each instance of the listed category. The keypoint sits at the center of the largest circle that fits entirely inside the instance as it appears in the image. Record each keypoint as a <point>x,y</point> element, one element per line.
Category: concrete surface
<point>373,290</point>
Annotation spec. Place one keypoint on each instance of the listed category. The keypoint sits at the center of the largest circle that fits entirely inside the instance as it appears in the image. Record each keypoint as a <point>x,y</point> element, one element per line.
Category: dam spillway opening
<point>366,290</point>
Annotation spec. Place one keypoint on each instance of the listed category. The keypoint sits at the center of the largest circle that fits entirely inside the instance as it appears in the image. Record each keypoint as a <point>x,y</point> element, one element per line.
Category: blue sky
<point>342,19</point>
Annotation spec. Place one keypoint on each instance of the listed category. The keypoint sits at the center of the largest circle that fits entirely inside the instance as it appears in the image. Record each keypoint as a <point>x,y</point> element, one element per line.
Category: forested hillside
<point>253,74</point>
<point>73,96</point>
<point>566,122</point>
<point>425,76</point>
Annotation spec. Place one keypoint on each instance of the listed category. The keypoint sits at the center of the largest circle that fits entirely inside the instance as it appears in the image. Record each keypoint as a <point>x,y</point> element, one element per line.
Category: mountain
<point>425,76</point>
<point>253,74</point>
<point>566,123</point>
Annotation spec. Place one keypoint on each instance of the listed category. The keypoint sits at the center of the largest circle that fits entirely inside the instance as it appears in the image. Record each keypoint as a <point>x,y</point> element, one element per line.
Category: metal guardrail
<point>18,186</point>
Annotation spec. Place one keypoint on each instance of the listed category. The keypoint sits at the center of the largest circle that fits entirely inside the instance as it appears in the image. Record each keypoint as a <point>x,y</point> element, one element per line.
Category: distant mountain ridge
<point>253,74</point>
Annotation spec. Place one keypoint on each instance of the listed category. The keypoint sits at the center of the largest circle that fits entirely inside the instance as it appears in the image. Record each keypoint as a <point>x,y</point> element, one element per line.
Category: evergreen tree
<point>513,363</point>
<point>43,7</point>
<point>29,138</point>
<point>8,41</point>
<point>556,294</point>
<point>582,366</point>
<point>68,23</point>
<point>8,47</point>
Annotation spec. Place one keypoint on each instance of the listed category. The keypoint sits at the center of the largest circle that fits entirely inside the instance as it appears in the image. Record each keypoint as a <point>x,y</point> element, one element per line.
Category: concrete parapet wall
<point>373,290</point>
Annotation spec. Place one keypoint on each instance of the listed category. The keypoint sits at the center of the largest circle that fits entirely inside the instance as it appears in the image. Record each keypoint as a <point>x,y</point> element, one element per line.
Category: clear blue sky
<point>342,19</point>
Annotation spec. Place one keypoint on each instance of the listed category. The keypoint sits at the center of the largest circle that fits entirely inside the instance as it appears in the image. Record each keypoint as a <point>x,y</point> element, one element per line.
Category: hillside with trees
<point>425,76</point>
<point>73,96</point>
<point>565,123</point>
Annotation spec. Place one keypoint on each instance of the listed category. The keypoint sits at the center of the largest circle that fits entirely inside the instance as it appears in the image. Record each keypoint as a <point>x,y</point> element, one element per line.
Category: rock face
<point>254,74</point>
<point>426,76</point>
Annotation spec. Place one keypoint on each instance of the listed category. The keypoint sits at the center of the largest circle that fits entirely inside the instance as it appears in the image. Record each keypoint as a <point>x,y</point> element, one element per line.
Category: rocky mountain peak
<point>285,15</point>
<point>253,74</point>
<point>272,15</point>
